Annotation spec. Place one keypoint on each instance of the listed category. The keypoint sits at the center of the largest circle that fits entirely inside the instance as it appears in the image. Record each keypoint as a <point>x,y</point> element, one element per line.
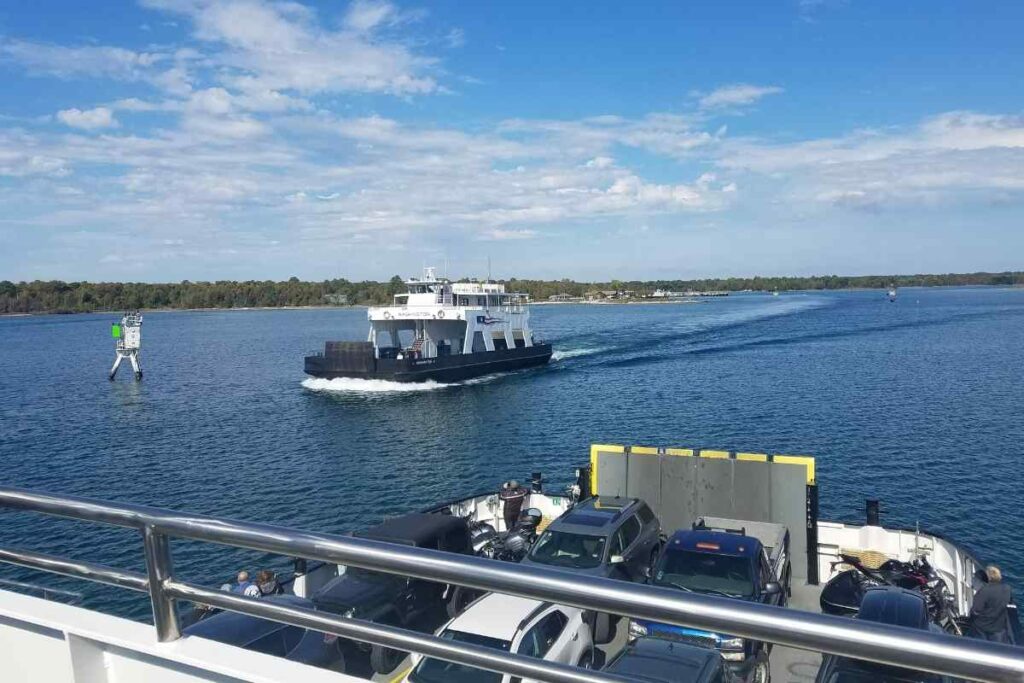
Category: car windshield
<point>563,549</point>
<point>656,668</point>
<point>705,573</point>
<point>439,671</point>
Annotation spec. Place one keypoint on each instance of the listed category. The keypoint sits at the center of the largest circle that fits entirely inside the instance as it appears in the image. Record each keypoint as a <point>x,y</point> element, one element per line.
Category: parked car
<point>271,637</point>
<point>511,624</point>
<point>665,661</point>
<point>602,536</point>
<point>391,599</point>
<point>885,605</point>
<point>736,559</point>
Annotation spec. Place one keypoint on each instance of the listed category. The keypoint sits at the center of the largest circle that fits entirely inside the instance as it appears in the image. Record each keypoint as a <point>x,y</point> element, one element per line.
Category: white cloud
<point>69,62</point>
<point>736,95</point>
<point>946,158</point>
<point>364,15</point>
<point>88,119</point>
<point>499,235</point>
<point>282,46</point>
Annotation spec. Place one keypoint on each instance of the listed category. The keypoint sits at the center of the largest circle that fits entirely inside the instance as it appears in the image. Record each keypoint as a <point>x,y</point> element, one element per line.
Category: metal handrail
<point>896,646</point>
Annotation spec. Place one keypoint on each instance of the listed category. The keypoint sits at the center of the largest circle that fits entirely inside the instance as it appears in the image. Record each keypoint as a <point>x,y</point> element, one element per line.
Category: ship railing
<point>896,646</point>
<point>46,592</point>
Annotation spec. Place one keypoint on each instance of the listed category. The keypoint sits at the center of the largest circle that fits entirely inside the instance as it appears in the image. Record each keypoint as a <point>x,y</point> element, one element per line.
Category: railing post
<point>160,569</point>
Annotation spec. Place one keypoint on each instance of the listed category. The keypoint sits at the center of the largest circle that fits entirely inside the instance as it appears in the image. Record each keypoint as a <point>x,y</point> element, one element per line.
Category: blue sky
<point>189,139</point>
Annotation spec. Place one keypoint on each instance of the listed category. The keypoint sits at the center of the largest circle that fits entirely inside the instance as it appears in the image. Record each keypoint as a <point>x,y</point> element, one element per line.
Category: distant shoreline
<point>697,297</point>
<point>185,310</point>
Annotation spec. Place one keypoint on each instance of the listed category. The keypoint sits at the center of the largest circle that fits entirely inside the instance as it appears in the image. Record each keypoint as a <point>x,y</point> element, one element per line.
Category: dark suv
<point>389,598</point>
<point>885,605</point>
<point>603,536</point>
<point>662,661</point>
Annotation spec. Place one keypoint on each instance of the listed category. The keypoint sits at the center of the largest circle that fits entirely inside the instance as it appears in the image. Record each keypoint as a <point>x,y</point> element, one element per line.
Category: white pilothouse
<point>439,330</point>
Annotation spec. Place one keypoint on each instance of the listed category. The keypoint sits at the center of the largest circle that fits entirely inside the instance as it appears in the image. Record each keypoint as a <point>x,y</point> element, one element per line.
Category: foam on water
<point>354,385</point>
<point>561,354</point>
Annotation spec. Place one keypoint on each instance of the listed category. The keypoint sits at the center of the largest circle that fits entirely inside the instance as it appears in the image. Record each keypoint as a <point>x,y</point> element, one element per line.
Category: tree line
<point>55,296</point>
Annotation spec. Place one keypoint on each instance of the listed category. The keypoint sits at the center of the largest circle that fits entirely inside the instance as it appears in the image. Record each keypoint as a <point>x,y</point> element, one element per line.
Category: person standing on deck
<point>988,612</point>
<point>512,496</point>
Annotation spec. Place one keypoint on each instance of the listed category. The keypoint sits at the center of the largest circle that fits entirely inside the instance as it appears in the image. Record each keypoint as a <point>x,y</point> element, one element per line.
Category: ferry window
<point>402,299</point>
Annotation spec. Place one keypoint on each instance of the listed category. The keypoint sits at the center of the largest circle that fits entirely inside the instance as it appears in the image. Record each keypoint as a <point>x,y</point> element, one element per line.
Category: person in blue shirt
<point>246,587</point>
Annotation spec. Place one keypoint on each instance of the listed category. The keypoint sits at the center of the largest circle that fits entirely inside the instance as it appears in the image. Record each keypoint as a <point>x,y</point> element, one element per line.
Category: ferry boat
<point>45,640</point>
<point>438,330</point>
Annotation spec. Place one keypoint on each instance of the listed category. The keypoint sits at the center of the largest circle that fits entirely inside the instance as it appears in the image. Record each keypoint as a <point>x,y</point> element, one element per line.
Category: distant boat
<point>892,293</point>
<point>455,331</point>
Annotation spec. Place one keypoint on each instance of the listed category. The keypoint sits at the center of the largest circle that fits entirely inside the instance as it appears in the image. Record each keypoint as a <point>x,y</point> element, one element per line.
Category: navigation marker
<point>128,334</point>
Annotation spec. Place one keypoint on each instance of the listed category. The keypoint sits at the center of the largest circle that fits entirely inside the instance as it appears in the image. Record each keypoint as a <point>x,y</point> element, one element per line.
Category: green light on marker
<point>115,331</point>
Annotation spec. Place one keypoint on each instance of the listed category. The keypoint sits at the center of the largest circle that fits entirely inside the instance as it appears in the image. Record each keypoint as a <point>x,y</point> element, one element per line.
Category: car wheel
<point>384,660</point>
<point>586,660</point>
<point>761,673</point>
<point>459,600</point>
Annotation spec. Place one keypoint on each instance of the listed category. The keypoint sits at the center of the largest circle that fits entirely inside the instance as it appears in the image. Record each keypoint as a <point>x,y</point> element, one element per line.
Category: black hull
<point>443,369</point>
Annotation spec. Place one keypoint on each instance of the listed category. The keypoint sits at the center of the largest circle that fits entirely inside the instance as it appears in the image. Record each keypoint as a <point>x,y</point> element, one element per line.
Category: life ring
<point>440,315</point>
<point>387,315</point>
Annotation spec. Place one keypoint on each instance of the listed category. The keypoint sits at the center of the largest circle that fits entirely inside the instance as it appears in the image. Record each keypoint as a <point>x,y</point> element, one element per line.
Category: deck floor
<point>790,665</point>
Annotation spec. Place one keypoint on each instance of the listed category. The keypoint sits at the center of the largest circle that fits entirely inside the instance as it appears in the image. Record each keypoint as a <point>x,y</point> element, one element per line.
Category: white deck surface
<point>49,642</point>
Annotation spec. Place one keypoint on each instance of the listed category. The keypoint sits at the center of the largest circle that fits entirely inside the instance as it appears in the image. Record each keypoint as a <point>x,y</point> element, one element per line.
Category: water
<point>916,402</point>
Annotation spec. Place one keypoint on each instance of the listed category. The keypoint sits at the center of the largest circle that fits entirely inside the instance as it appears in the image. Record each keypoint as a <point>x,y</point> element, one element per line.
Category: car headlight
<point>733,656</point>
<point>731,644</point>
<point>637,630</point>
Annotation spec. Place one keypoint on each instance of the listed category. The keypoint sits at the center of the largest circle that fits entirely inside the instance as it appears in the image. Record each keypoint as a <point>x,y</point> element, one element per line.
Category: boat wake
<point>574,353</point>
<point>354,385</point>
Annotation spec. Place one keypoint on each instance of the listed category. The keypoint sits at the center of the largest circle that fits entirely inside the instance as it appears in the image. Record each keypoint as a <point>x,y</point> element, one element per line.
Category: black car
<point>663,661</point>
<point>392,599</point>
<point>885,605</point>
<point>602,536</point>
<point>270,637</point>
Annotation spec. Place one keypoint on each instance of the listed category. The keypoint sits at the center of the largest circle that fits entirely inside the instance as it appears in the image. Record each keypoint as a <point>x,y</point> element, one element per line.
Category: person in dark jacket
<point>512,496</point>
<point>268,583</point>
<point>988,612</point>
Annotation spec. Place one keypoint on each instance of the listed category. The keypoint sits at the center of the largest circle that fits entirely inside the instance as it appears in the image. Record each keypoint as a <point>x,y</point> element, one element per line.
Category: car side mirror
<point>616,559</point>
<point>772,588</point>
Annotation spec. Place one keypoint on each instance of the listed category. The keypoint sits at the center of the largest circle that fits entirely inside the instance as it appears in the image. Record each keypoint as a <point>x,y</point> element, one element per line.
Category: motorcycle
<point>842,595</point>
<point>513,545</point>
